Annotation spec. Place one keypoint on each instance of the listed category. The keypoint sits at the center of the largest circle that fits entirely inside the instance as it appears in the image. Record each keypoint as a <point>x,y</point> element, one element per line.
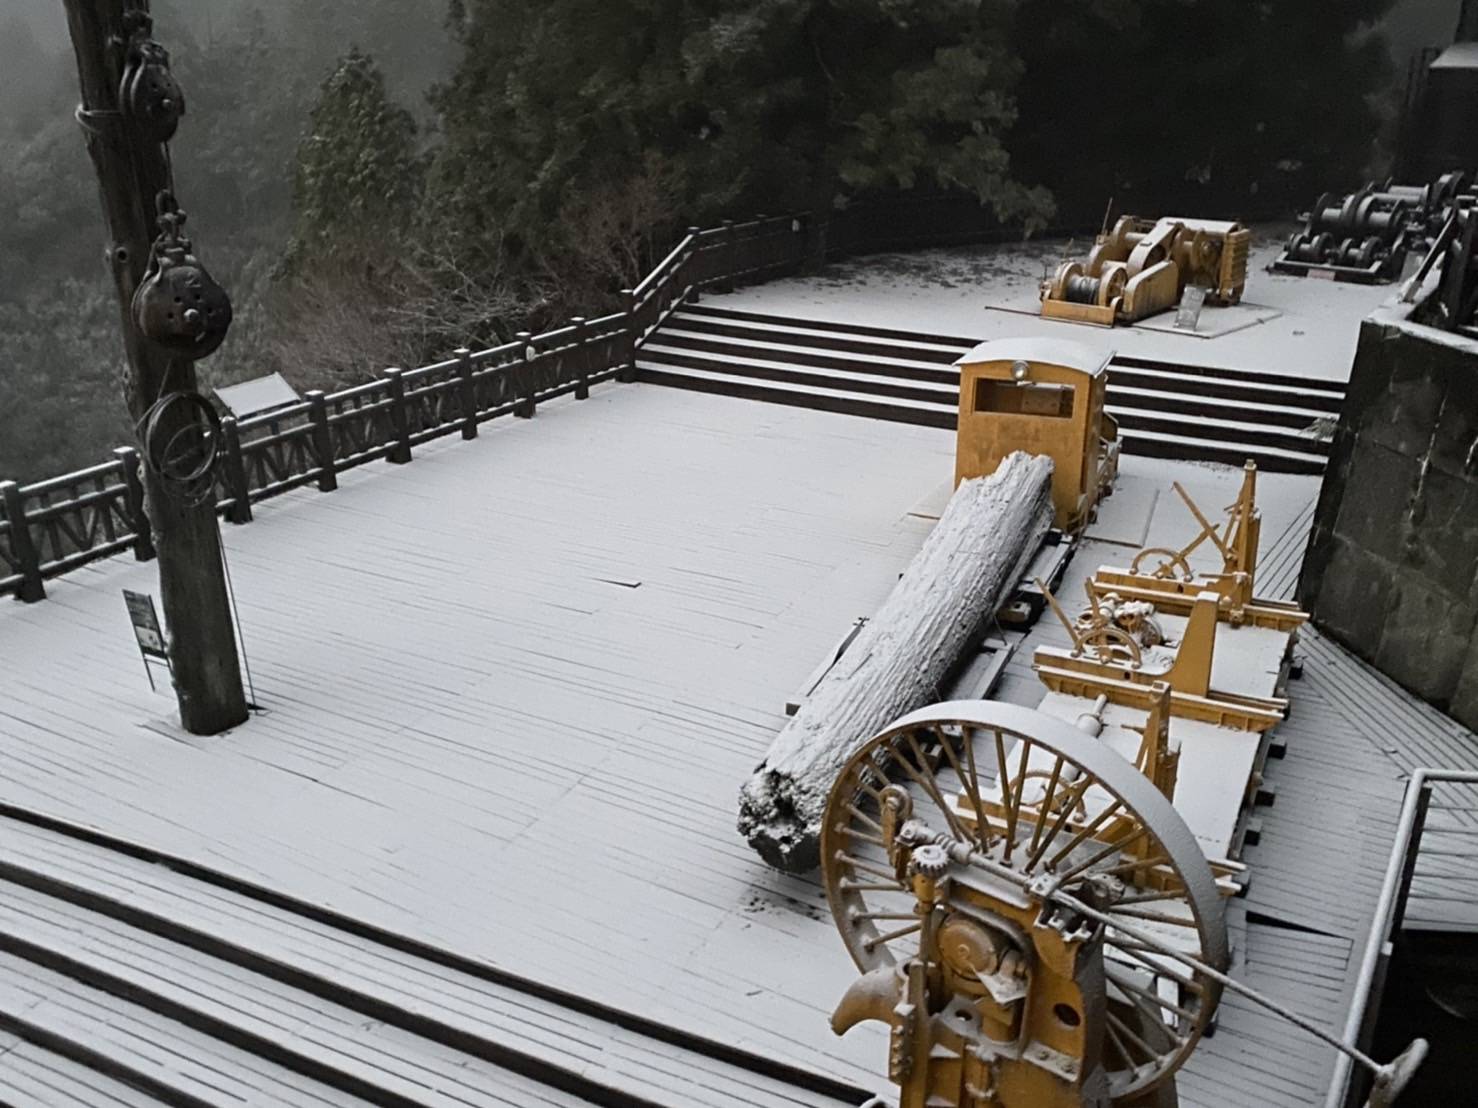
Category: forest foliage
<point>381,181</point>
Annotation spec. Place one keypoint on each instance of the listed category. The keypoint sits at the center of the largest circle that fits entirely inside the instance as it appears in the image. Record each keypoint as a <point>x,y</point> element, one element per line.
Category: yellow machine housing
<point>1043,396</point>
<point>1143,266</point>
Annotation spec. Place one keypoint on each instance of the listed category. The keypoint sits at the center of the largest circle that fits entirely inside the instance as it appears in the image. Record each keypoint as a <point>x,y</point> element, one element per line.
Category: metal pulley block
<point>178,305</point>
<point>149,95</point>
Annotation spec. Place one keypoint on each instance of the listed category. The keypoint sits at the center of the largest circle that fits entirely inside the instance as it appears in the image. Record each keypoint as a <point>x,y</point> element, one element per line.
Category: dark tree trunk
<point>131,172</point>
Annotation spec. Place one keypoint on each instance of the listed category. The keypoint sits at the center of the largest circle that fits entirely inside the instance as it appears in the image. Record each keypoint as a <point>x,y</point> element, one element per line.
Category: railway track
<point>1164,409</point>
<point>130,977</point>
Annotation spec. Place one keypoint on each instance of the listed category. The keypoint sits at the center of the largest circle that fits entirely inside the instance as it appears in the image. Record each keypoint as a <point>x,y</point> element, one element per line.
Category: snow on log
<point>902,657</point>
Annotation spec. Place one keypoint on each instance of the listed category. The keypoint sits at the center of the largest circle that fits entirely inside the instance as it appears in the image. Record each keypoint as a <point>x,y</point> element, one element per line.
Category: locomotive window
<point>1024,398</point>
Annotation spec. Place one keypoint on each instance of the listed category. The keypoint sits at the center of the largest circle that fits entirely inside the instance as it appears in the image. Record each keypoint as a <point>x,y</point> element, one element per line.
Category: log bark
<point>131,171</point>
<point>901,660</point>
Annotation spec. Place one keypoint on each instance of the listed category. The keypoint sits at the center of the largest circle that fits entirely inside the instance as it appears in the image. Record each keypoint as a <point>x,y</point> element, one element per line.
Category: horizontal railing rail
<point>53,526</point>
<point>1439,804</point>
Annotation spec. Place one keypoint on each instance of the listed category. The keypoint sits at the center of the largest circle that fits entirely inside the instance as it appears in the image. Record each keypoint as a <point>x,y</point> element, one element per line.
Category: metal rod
<point>1383,920</point>
<point>1216,975</point>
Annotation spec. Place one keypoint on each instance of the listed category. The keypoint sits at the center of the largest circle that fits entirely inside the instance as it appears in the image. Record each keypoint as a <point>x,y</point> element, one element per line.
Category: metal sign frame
<point>147,632</point>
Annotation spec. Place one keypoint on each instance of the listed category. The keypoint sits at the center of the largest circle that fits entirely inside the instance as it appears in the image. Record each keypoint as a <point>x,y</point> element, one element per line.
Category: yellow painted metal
<point>1090,673</point>
<point>1043,405</point>
<point>1142,267</point>
<point>1164,577</point>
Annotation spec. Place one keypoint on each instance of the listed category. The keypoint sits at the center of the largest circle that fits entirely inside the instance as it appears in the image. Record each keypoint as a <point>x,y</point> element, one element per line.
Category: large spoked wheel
<point>1019,794</point>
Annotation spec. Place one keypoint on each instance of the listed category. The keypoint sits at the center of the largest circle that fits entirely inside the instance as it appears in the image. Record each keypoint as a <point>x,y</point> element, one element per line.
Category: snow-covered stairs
<point>132,978</point>
<point>1164,409</point>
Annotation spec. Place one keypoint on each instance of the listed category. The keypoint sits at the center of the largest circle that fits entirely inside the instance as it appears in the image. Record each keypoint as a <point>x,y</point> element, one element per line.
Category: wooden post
<point>138,515</point>
<point>132,170</point>
<point>28,564</point>
<point>525,408</point>
<point>731,257</point>
<point>694,292</point>
<point>323,441</point>
<point>582,357</point>
<point>236,481</point>
<point>400,424</point>
<point>631,337</point>
<point>467,390</point>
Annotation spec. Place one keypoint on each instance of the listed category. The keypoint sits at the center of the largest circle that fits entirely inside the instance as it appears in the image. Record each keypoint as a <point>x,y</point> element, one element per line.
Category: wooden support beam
<point>903,657</point>
<point>131,172</point>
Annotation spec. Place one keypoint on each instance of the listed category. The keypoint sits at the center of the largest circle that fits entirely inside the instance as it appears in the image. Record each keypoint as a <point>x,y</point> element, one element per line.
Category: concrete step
<point>1148,432</point>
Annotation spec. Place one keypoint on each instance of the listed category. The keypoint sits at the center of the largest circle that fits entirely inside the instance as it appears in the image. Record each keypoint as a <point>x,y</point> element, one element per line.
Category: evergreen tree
<point>358,175</point>
<point>722,106</point>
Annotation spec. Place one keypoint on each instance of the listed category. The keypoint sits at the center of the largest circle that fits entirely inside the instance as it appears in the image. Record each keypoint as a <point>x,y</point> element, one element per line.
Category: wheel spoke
<point>1075,793</point>
<point>863,836</point>
<point>972,786</point>
<point>1117,1042</point>
<point>1112,848</point>
<point>1139,954</point>
<point>882,940</point>
<point>930,786</point>
<point>1149,1052</point>
<point>865,867</point>
<point>1122,982</point>
<point>1086,832</point>
<point>1044,809</point>
<point>1014,796</point>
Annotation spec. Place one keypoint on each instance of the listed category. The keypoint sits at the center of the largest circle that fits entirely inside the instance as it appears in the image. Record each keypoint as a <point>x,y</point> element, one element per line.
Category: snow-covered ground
<point>1298,325</point>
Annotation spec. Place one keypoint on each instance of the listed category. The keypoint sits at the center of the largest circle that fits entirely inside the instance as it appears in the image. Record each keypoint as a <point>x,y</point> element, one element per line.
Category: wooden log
<point>900,661</point>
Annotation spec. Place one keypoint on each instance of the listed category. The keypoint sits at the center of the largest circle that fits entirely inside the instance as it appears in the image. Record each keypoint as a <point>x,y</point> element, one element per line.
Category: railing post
<point>525,409</point>
<point>133,499</point>
<point>631,337</point>
<point>693,293</point>
<point>29,565</point>
<point>240,510</point>
<point>323,440</point>
<point>582,357</point>
<point>1408,868</point>
<point>731,257</point>
<point>400,424</point>
<point>467,390</point>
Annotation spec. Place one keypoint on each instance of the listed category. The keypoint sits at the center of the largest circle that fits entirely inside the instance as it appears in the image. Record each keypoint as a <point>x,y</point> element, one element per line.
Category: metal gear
<point>930,860</point>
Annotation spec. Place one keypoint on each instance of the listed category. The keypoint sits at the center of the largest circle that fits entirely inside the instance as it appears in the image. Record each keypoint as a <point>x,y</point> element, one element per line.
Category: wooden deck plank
<point>459,709</point>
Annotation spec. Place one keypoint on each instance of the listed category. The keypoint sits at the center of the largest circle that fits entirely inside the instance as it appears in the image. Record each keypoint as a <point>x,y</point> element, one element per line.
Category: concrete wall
<point>1392,567</point>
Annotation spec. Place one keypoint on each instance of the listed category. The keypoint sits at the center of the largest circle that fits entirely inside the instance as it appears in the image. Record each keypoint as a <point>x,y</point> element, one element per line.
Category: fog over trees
<point>378,181</point>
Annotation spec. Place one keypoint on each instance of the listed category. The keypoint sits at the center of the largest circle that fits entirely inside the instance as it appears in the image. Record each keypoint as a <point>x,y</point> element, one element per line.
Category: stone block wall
<point>1392,566</point>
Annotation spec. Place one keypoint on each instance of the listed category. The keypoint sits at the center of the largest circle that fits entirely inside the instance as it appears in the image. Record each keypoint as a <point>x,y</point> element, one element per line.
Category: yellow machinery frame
<point>1164,576</point>
<point>1142,267</point>
<point>1043,396</point>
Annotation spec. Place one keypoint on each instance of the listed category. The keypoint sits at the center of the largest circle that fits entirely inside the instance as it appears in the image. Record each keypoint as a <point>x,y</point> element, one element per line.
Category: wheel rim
<point>1170,563</point>
<point>1102,819</point>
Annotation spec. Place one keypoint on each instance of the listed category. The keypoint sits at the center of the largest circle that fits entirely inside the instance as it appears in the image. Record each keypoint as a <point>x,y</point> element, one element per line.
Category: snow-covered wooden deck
<point>1297,325</point>
<point>510,692</point>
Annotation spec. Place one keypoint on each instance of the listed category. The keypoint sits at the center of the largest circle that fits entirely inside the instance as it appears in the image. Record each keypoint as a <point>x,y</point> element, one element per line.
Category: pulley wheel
<point>1166,564</point>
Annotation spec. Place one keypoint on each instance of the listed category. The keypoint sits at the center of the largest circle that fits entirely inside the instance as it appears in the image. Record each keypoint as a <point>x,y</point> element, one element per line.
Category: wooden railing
<point>54,526</point>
